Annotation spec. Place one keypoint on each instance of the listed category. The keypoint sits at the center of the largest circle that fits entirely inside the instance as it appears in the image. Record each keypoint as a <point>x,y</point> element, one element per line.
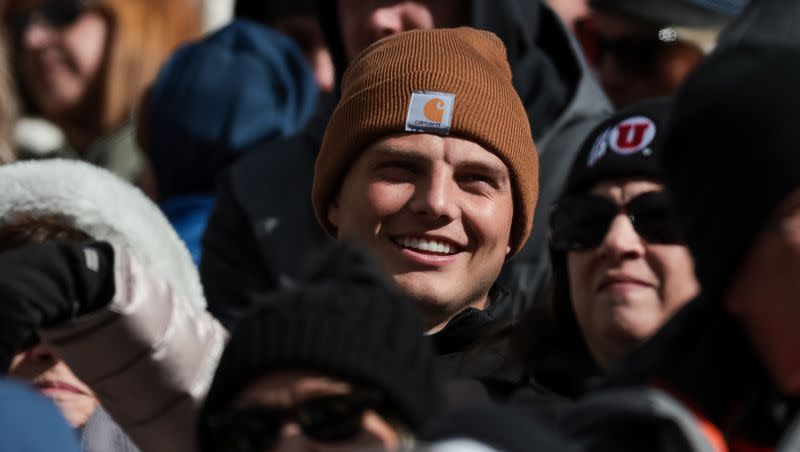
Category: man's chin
<point>425,289</point>
<point>425,293</point>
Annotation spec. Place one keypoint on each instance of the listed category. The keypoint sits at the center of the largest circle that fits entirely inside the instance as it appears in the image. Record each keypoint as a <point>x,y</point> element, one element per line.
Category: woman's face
<point>296,391</point>
<point>40,366</point>
<point>60,53</point>
<point>625,288</point>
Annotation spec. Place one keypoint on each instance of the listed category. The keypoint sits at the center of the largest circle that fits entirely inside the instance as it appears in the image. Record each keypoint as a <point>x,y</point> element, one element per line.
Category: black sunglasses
<point>329,419</point>
<point>56,13</point>
<point>582,222</point>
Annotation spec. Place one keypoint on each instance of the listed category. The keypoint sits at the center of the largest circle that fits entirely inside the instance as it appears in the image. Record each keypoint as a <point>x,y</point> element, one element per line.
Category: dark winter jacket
<point>463,353</point>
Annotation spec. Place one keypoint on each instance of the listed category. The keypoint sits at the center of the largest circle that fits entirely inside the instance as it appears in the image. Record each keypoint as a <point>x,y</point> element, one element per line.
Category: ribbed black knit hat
<point>626,145</point>
<point>734,153</point>
<point>346,322</point>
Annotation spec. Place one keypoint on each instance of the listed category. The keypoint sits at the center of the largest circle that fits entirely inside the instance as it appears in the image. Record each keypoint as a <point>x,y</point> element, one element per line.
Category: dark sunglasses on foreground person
<point>328,419</point>
<point>582,221</point>
<point>55,13</point>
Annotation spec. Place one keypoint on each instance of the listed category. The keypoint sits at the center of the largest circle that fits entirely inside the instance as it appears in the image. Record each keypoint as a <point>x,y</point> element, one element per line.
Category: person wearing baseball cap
<point>429,162</point>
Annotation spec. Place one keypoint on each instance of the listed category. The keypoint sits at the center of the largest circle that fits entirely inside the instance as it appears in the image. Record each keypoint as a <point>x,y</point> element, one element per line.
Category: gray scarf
<point>102,434</point>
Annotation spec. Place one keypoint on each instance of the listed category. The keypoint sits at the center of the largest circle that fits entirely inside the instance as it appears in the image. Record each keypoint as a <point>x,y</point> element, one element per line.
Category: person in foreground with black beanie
<point>620,266</point>
<point>727,364</point>
<point>338,364</point>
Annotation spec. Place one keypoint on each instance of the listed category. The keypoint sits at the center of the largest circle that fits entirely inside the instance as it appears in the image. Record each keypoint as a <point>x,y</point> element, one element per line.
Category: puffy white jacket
<point>149,356</point>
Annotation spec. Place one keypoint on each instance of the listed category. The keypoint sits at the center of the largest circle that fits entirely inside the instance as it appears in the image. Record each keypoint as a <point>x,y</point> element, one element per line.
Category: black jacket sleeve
<point>45,284</point>
<point>232,269</point>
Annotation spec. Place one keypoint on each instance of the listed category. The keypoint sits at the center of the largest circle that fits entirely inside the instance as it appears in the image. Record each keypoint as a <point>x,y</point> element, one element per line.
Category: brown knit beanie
<point>453,82</point>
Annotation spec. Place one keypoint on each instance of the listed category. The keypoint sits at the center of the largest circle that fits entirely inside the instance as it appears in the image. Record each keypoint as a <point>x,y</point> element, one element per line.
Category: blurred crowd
<point>429,225</point>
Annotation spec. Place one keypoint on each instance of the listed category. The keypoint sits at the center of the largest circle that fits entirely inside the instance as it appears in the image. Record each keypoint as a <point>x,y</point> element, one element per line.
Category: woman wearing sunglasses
<point>340,364</point>
<point>83,64</point>
<point>620,267</point>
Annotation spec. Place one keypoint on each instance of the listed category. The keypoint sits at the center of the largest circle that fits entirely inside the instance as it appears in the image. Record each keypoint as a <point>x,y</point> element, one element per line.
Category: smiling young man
<point>428,160</point>
<point>263,227</point>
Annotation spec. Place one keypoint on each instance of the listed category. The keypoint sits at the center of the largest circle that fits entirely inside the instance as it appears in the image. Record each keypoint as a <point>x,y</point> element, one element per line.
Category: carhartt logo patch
<point>430,112</point>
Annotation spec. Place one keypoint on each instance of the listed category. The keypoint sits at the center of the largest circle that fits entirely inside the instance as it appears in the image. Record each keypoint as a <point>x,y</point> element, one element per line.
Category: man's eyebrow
<point>498,172</point>
<point>391,151</point>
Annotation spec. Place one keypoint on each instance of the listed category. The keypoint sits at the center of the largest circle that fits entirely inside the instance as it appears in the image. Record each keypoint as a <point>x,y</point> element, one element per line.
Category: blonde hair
<point>142,34</point>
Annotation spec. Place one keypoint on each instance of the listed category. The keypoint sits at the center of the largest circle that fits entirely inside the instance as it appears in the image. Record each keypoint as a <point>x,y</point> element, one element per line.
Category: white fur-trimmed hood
<point>104,207</point>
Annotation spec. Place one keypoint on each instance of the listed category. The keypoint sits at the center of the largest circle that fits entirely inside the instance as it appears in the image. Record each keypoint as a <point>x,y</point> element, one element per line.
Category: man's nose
<point>435,196</point>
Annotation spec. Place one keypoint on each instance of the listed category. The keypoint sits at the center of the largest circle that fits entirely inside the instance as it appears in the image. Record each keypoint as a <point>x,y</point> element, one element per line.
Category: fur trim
<point>105,207</point>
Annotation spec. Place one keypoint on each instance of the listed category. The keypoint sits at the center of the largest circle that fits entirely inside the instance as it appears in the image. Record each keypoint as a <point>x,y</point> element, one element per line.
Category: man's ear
<point>508,250</point>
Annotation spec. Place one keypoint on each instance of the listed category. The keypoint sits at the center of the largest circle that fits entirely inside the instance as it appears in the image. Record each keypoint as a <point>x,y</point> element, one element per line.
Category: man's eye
<point>395,164</point>
<point>396,170</point>
<point>477,178</point>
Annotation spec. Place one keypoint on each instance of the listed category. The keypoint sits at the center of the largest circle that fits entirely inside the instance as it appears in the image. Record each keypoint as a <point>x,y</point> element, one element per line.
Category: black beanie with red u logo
<point>627,145</point>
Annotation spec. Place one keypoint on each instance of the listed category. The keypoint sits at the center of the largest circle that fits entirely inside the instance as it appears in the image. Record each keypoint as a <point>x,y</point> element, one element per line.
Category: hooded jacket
<point>150,353</point>
<point>263,224</point>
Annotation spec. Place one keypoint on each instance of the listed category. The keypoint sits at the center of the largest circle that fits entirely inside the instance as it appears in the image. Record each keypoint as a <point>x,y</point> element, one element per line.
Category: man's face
<point>763,295</point>
<point>363,22</point>
<point>436,211</point>
<point>40,366</point>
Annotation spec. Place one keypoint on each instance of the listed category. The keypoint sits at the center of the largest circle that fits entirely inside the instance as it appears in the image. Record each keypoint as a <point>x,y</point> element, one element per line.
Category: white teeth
<point>425,245</point>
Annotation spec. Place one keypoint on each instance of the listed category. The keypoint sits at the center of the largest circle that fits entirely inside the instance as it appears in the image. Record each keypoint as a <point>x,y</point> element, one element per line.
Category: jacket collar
<point>470,324</point>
